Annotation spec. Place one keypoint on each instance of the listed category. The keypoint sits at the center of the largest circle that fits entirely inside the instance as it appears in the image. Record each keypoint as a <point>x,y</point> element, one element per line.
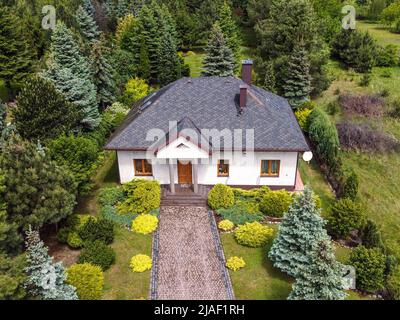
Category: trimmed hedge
<point>253,234</point>
<point>221,196</point>
<point>87,279</point>
<point>276,203</point>
<point>97,253</point>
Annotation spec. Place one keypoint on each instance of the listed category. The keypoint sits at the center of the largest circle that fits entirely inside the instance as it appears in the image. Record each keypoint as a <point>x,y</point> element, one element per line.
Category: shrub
<point>111,196</point>
<point>62,235</point>
<point>110,213</point>
<point>141,263</point>
<point>142,196</point>
<point>116,113</point>
<point>324,135</point>
<point>345,216</point>
<point>135,89</point>
<point>97,253</point>
<point>87,279</point>
<point>239,215</point>
<point>74,240</point>
<point>302,117</point>
<point>370,268</point>
<point>393,284</point>
<point>350,188</point>
<point>226,225</point>
<point>365,80</point>
<point>235,263</point>
<point>371,236</point>
<point>366,105</point>
<point>388,56</point>
<point>253,234</point>
<point>221,196</point>
<point>333,108</point>
<point>362,138</point>
<point>276,203</point>
<point>253,195</point>
<point>145,224</point>
<point>102,230</point>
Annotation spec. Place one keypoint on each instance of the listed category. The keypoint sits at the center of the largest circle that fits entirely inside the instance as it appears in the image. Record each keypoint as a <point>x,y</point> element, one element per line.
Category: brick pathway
<point>188,260</point>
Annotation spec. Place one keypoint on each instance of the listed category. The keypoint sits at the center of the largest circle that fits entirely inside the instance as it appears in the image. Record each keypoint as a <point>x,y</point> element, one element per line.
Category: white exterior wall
<point>246,173</point>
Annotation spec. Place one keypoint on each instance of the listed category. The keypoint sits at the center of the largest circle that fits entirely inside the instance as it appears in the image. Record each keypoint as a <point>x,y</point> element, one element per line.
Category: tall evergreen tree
<point>144,61</point>
<point>297,83</point>
<point>46,280</point>
<point>3,115</point>
<point>230,30</point>
<point>36,190</point>
<point>16,58</point>
<point>322,280</point>
<point>70,73</point>
<point>169,61</point>
<point>88,7</point>
<point>269,82</point>
<point>87,26</point>
<point>219,60</point>
<point>103,76</point>
<point>300,234</point>
<point>43,112</point>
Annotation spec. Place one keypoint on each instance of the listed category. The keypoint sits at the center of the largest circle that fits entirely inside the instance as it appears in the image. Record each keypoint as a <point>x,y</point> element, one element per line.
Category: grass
<point>380,33</point>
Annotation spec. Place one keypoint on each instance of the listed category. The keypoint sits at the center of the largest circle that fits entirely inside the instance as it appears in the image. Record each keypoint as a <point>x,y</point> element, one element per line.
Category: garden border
<point>221,256</point>
<point>154,269</point>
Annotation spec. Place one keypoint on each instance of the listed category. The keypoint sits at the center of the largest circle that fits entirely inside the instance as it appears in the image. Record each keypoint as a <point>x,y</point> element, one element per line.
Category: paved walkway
<point>188,257</point>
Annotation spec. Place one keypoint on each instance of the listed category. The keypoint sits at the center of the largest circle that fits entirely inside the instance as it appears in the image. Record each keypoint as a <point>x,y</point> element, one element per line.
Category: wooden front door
<point>184,173</point>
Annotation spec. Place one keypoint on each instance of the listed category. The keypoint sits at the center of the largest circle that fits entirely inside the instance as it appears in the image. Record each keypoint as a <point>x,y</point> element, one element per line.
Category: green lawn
<point>379,32</point>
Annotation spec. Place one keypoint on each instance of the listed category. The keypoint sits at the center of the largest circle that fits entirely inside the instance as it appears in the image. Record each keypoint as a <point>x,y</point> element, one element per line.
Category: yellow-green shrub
<point>302,117</point>
<point>74,240</point>
<point>143,196</point>
<point>226,225</point>
<point>253,234</point>
<point>221,196</point>
<point>141,263</point>
<point>235,263</point>
<point>276,203</point>
<point>87,279</point>
<point>145,224</point>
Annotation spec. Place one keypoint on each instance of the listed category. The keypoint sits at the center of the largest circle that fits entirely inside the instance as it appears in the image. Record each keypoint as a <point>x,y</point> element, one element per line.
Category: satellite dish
<point>307,156</point>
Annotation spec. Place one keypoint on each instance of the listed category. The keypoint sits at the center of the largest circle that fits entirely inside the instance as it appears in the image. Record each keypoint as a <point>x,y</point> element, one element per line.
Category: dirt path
<point>188,258</point>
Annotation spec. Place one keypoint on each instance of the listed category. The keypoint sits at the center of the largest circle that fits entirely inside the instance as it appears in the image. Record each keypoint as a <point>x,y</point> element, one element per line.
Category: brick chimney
<point>247,66</point>
<point>243,96</point>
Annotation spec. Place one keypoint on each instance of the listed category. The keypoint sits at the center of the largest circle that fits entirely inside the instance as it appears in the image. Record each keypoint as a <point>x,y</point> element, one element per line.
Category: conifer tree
<point>219,60</point>
<point>103,76</point>
<point>299,236</point>
<point>144,61</point>
<point>46,280</point>
<point>16,58</point>
<point>71,75</point>
<point>169,61</point>
<point>2,116</point>
<point>37,191</point>
<point>87,26</point>
<point>88,7</point>
<point>43,112</point>
<point>269,83</point>
<point>322,279</point>
<point>230,31</point>
<point>297,83</point>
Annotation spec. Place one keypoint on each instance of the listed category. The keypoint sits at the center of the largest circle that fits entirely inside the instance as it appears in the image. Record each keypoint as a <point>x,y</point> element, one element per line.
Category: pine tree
<point>37,191</point>
<point>43,112</point>
<point>269,83</point>
<point>71,75</point>
<point>169,61</point>
<point>300,234</point>
<point>16,58</point>
<point>144,61</point>
<point>297,83</point>
<point>46,280</point>
<point>219,60</point>
<point>230,31</point>
<point>322,280</point>
<point>87,25</point>
<point>103,76</point>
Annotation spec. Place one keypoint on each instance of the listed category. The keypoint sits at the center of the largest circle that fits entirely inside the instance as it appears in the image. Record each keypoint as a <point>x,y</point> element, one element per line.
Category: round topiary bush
<point>141,263</point>
<point>221,196</point>
<point>145,224</point>
<point>100,229</point>
<point>253,234</point>
<point>97,253</point>
<point>276,203</point>
<point>225,225</point>
<point>235,263</point>
<point>87,279</point>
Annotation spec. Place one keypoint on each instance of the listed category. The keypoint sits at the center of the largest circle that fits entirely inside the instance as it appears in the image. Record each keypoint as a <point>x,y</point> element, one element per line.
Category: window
<point>142,167</point>
<point>270,168</point>
<point>223,168</point>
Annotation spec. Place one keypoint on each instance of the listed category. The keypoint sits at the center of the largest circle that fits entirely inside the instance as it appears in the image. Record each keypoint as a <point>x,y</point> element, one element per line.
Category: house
<point>209,130</point>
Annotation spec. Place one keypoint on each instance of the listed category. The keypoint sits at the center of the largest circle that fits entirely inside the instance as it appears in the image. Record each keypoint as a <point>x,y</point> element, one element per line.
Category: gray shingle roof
<point>212,103</point>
